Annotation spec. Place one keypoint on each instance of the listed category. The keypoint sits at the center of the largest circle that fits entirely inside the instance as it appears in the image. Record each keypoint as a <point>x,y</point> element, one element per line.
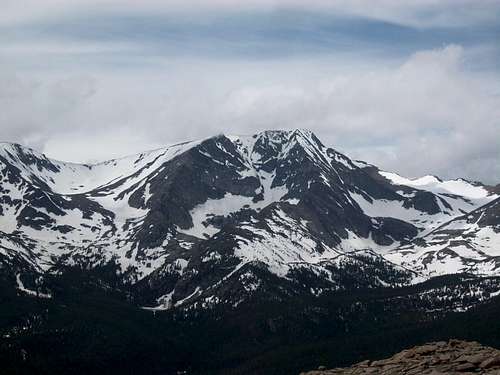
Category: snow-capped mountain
<point>220,219</point>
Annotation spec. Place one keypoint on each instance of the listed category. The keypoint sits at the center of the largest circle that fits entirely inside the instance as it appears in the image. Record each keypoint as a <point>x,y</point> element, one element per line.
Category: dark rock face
<point>491,216</point>
<point>425,202</point>
<point>437,358</point>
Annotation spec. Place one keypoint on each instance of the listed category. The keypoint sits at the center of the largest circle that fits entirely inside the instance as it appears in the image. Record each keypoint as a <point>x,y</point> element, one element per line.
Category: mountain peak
<point>278,135</point>
<point>278,199</point>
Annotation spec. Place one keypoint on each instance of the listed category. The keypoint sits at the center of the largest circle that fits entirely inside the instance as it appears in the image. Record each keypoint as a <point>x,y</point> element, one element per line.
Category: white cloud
<point>427,114</point>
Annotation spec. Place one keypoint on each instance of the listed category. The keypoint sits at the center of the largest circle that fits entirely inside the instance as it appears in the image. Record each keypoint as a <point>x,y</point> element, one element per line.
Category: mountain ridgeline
<point>217,225</point>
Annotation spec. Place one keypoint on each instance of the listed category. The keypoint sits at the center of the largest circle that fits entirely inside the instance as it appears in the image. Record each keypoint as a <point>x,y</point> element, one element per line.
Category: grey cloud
<point>253,34</point>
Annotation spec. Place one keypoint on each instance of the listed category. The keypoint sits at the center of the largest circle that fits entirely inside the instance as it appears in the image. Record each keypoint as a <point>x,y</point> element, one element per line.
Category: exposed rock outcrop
<point>437,358</point>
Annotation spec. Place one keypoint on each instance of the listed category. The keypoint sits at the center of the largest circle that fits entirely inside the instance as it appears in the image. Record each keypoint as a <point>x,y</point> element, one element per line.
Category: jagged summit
<point>185,222</point>
<point>283,135</point>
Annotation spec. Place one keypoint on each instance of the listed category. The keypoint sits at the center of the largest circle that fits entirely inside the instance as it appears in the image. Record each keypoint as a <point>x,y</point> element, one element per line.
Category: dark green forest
<point>89,329</point>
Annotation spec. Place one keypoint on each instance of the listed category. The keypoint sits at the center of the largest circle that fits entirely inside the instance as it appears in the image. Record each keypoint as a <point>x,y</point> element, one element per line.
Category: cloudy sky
<point>412,86</point>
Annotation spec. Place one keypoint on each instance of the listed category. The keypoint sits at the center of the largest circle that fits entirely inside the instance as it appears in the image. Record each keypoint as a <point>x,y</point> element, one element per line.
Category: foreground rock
<point>438,358</point>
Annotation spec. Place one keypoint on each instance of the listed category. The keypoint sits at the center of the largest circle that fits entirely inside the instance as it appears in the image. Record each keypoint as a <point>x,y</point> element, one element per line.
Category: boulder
<point>438,358</point>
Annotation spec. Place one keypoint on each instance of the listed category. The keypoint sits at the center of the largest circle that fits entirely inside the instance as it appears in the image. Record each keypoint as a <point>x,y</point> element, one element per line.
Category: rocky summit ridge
<point>436,358</point>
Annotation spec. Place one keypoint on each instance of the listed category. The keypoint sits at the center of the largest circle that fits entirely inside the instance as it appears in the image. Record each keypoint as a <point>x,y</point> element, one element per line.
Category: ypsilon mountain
<point>221,220</point>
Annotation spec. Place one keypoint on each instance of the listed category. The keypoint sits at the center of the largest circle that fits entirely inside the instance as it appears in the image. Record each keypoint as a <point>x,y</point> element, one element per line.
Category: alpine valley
<point>261,254</point>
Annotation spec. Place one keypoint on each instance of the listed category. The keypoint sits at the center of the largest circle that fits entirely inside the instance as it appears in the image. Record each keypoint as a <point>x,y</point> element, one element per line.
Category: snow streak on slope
<point>389,208</point>
<point>283,243</point>
<point>231,203</point>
